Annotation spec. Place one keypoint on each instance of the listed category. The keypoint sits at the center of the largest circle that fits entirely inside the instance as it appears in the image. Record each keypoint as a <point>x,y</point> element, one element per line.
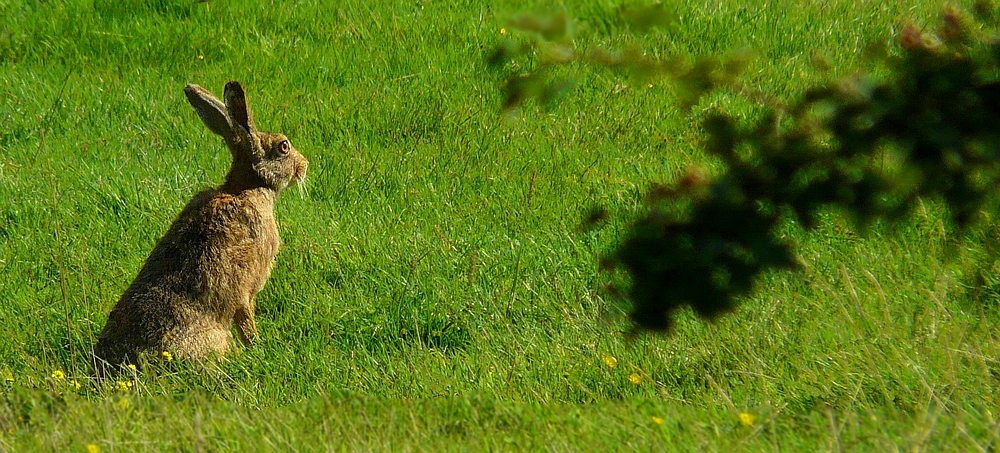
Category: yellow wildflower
<point>131,367</point>
<point>610,361</point>
<point>93,448</point>
<point>747,419</point>
<point>503,31</point>
<point>166,355</point>
<point>125,385</point>
<point>201,57</point>
<point>658,421</point>
<point>58,375</point>
<point>635,378</point>
<point>123,404</point>
<point>75,384</point>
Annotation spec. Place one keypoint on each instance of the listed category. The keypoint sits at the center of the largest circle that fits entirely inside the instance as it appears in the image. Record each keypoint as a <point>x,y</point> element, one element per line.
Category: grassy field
<point>435,290</point>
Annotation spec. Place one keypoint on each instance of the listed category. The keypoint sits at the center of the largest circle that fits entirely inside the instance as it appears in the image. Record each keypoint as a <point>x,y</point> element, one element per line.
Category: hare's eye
<point>284,146</point>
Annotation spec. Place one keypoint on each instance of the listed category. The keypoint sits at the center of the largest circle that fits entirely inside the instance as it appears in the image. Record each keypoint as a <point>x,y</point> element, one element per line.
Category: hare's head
<point>260,159</point>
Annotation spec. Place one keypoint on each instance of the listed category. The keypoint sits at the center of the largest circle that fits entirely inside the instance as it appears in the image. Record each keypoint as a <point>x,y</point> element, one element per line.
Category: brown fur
<point>203,274</point>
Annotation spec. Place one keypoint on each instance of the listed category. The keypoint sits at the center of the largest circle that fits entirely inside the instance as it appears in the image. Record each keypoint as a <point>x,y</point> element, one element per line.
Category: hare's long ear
<point>239,109</point>
<point>212,111</point>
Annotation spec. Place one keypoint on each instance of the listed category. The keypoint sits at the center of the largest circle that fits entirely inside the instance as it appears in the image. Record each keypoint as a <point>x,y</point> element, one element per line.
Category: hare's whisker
<point>303,188</point>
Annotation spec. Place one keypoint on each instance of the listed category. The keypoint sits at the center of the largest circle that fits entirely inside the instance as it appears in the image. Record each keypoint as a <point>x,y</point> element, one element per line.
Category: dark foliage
<point>869,148</point>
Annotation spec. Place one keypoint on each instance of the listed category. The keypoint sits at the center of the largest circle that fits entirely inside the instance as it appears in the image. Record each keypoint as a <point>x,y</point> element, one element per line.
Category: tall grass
<point>436,289</point>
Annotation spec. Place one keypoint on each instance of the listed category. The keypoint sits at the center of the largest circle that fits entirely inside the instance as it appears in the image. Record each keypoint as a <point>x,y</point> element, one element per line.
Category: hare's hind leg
<point>108,360</point>
<point>201,341</point>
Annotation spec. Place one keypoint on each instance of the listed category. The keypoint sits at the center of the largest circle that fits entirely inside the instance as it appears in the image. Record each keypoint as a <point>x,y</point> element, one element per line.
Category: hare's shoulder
<point>239,217</point>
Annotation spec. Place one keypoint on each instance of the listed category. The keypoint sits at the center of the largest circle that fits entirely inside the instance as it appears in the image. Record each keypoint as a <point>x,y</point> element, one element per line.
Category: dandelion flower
<point>201,57</point>
<point>58,375</point>
<point>75,384</point>
<point>610,361</point>
<point>131,367</point>
<point>635,378</point>
<point>93,448</point>
<point>658,421</point>
<point>503,31</point>
<point>747,419</point>
<point>123,404</point>
<point>166,355</point>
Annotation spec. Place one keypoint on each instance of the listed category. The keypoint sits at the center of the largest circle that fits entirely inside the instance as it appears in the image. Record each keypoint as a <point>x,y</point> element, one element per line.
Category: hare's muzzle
<point>301,166</point>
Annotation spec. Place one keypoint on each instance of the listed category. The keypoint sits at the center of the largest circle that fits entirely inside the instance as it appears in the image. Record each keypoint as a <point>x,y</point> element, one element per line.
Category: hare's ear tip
<point>233,85</point>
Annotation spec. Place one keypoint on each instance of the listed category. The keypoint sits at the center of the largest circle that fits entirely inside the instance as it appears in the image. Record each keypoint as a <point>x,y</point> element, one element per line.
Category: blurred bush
<point>870,148</point>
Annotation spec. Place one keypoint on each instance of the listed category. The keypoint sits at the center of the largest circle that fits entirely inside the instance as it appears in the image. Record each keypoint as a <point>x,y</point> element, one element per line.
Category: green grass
<point>435,290</point>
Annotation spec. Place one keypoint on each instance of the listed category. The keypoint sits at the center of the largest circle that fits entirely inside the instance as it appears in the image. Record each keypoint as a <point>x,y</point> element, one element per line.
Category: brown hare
<point>203,274</point>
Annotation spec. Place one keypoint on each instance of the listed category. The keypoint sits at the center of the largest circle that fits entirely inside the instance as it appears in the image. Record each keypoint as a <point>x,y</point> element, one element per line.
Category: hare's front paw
<point>246,327</point>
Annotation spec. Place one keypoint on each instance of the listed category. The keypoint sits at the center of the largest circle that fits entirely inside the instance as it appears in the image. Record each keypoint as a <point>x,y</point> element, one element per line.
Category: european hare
<point>204,273</point>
